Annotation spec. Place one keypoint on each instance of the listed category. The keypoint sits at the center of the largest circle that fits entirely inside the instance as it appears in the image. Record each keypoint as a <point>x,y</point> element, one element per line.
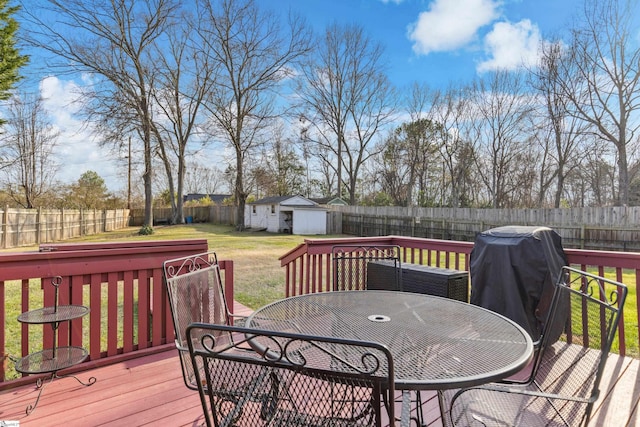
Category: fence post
<point>5,227</point>
<point>38,226</point>
<point>62,224</point>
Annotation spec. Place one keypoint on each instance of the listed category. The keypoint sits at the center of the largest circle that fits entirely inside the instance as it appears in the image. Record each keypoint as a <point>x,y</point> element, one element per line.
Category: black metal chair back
<point>351,265</point>
<point>585,312</point>
<point>291,379</point>
<point>196,294</point>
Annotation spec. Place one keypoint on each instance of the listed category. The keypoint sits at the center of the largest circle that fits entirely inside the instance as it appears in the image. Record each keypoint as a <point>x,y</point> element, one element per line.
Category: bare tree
<point>558,132</point>
<point>27,151</point>
<point>590,184</point>
<point>500,113</point>
<point>603,83</point>
<point>252,53</point>
<point>450,109</point>
<point>184,80</point>
<point>115,42</point>
<point>324,181</point>
<point>200,178</point>
<point>346,100</point>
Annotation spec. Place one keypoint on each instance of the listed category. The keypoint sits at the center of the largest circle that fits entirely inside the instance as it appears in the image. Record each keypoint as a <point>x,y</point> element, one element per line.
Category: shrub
<point>146,230</point>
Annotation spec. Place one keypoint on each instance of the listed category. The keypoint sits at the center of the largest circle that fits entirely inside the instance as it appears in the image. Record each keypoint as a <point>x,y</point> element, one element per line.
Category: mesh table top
<point>53,314</point>
<point>436,343</point>
<point>51,360</point>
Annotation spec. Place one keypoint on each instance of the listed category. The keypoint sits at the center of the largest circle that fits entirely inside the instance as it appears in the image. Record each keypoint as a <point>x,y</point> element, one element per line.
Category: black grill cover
<point>513,272</point>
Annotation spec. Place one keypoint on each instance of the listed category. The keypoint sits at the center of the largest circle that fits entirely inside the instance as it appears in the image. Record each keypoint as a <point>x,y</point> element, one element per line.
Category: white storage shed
<point>286,214</point>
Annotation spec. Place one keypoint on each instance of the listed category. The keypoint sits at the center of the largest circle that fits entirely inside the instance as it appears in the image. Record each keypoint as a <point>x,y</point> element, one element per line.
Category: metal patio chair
<point>565,378</point>
<point>291,379</point>
<point>351,266</point>
<point>196,294</point>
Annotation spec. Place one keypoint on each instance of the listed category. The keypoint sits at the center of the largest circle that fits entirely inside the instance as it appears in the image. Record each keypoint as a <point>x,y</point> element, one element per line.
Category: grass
<point>258,276</point>
<point>629,313</point>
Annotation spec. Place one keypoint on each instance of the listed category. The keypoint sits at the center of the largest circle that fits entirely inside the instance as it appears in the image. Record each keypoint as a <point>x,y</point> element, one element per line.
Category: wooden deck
<point>146,391</point>
<point>149,391</point>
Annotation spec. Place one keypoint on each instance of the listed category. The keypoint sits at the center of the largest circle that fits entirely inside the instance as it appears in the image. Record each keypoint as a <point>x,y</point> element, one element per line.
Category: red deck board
<point>150,391</point>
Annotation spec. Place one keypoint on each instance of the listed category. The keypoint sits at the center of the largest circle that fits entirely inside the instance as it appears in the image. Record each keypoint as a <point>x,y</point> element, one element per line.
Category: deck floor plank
<point>150,391</point>
<point>620,393</point>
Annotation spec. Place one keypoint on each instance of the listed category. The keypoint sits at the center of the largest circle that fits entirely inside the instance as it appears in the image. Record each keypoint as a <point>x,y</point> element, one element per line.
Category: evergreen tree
<point>10,58</point>
<point>89,192</point>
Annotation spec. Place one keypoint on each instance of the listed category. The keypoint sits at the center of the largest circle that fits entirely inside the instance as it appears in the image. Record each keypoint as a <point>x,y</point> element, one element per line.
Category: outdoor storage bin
<point>422,279</point>
<point>513,271</point>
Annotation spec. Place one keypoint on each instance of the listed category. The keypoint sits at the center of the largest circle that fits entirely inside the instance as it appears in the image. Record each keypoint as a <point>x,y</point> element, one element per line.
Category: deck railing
<point>308,269</point>
<point>122,285</point>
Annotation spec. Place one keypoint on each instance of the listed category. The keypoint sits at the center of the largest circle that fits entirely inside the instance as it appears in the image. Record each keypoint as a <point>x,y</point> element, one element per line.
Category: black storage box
<point>421,279</point>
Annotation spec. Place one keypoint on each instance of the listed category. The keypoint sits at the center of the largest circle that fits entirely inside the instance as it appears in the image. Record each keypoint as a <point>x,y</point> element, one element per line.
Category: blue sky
<point>437,42</point>
<point>442,42</point>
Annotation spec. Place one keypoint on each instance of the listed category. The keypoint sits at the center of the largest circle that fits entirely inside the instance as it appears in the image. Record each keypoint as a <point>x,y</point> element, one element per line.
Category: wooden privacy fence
<point>612,228</point>
<point>611,216</point>
<point>215,214</point>
<point>27,227</point>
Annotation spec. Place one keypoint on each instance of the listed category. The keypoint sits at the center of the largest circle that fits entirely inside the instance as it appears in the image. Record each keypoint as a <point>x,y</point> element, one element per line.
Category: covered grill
<point>513,272</point>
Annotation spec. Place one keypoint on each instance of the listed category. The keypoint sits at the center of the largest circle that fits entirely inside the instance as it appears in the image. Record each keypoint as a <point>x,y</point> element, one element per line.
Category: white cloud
<point>451,24</point>
<point>76,150</point>
<point>60,99</point>
<point>510,46</point>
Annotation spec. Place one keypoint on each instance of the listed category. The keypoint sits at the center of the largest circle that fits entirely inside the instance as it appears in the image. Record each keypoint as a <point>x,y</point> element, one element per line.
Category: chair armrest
<point>521,391</point>
<point>496,402</point>
<point>238,319</point>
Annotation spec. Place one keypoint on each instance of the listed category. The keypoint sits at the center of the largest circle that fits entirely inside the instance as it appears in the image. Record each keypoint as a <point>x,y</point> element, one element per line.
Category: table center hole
<point>379,318</point>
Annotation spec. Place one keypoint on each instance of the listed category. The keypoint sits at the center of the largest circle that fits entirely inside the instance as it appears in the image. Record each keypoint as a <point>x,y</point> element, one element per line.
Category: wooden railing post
<point>227,267</point>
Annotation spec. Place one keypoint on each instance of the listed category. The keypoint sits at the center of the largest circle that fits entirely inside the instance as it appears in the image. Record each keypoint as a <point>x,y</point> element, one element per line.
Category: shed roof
<point>284,201</point>
<point>330,201</point>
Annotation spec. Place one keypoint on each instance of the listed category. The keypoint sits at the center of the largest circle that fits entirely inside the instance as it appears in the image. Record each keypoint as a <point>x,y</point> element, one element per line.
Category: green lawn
<point>258,276</point>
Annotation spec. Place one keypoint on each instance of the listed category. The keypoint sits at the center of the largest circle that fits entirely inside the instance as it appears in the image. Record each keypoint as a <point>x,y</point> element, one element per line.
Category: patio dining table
<point>436,343</point>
